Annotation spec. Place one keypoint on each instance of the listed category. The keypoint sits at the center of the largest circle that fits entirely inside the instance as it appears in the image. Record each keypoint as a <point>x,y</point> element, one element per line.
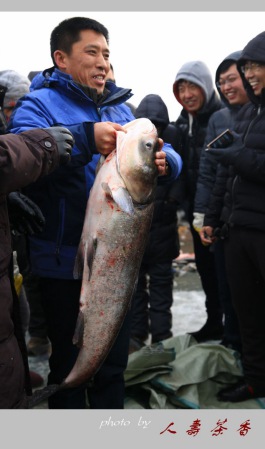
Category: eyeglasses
<point>251,66</point>
<point>228,81</point>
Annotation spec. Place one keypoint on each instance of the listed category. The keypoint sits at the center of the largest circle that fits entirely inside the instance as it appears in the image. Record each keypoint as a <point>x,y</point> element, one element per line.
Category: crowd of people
<point>54,128</point>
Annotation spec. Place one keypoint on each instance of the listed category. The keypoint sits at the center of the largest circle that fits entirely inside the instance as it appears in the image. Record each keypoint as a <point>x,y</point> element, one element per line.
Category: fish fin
<point>79,330</point>
<point>100,163</point>
<point>90,252</point>
<point>121,197</point>
<point>42,394</point>
<point>79,262</point>
<point>86,252</point>
<point>124,200</point>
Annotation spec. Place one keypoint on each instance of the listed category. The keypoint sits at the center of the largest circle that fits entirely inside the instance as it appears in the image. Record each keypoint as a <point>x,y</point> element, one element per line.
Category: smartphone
<point>222,141</point>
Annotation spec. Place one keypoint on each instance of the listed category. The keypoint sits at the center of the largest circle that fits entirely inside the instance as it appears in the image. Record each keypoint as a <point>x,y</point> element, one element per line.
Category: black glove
<point>64,140</point>
<point>25,216</point>
<point>228,155</point>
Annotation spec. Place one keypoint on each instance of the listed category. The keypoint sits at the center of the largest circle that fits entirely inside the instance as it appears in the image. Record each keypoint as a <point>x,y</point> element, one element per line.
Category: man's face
<point>231,86</point>
<point>254,73</point>
<point>88,62</point>
<point>191,96</point>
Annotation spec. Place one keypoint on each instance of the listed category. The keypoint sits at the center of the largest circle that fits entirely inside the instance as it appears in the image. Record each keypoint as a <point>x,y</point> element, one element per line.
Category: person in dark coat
<point>194,90</point>
<point>153,297</point>
<point>244,218</point>
<point>14,86</point>
<point>23,159</point>
<point>233,95</point>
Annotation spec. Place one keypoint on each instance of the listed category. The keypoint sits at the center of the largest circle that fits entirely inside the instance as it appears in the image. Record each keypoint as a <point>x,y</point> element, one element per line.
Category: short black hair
<point>225,65</point>
<point>67,33</point>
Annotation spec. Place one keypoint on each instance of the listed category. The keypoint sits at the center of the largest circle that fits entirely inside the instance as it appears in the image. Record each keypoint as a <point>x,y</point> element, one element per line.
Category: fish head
<point>136,150</point>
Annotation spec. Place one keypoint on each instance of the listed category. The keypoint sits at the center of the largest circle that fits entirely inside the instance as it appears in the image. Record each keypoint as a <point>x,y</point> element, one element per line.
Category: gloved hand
<point>64,140</point>
<point>228,155</point>
<point>24,215</point>
<point>197,221</point>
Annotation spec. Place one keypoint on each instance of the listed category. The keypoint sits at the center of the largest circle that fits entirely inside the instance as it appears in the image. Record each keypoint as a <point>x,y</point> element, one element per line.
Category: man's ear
<point>59,57</point>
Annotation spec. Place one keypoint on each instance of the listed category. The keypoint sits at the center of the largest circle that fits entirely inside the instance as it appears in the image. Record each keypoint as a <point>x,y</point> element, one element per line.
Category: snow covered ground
<point>189,313</point>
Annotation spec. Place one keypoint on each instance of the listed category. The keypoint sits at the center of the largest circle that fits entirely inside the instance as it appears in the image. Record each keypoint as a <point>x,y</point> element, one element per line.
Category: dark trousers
<point>61,304</point>
<point>245,267</point>
<point>205,262</point>
<point>152,301</point>
<point>231,328</point>
<point>37,322</point>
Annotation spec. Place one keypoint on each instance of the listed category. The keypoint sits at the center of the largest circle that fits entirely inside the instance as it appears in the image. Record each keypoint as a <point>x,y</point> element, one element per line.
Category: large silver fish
<point>117,221</point>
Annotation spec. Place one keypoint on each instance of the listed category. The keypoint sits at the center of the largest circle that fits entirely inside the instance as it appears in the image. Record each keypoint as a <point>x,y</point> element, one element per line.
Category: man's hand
<point>160,159</point>
<point>25,216</point>
<point>228,155</point>
<point>64,140</point>
<point>207,235</point>
<point>105,136</point>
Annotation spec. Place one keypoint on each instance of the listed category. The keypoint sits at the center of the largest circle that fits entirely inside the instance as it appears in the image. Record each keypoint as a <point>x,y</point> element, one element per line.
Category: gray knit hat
<point>17,85</point>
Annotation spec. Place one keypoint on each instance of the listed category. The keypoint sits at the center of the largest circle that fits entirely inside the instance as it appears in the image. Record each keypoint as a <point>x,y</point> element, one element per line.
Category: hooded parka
<point>218,122</point>
<point>192,127</point>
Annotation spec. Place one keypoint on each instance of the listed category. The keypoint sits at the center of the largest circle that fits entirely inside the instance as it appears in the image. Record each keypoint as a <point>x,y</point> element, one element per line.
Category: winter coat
<point>245,191</point>
<point>192,128</point>
<point>62,197</point>
<point>22,160</point>
<point>218,122</point>
<point>163,242</point>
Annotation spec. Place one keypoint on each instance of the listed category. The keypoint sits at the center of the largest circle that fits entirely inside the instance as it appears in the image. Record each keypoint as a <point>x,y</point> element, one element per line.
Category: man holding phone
<point>234,96</point>
<point>244,217</point>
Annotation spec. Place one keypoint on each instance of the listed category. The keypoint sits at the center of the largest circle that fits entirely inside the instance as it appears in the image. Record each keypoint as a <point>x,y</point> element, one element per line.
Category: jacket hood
<point>17,85</point>
<point>232,58</point>
<point>253,51</point>
<point>198,73</point>
<point>153,107</point>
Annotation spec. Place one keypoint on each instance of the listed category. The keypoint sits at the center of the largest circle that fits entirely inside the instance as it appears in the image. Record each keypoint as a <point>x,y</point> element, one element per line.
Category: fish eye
<point>148,145</point>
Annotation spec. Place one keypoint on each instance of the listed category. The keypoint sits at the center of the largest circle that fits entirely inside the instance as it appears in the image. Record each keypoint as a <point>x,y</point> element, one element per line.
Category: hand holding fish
<point>105,136</point>
<point>160,159</point>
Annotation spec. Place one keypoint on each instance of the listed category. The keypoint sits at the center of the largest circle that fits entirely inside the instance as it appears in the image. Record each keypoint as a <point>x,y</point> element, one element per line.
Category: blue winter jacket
<point>62,196</point>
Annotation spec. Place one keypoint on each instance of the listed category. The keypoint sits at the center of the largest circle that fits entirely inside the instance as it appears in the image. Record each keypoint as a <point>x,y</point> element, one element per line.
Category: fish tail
<point>42,394</point>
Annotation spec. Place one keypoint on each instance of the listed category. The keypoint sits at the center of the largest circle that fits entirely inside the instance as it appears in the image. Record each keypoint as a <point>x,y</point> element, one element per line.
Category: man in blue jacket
<point>75,93</point>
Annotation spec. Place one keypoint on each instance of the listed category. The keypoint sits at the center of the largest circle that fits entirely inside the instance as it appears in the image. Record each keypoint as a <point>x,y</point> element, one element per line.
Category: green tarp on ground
<point>180,373</point>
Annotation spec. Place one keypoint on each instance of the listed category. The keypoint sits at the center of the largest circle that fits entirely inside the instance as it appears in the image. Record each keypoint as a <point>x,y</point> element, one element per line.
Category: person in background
<point>230,87</point>
<point>25,217</point>
<point>153,297</point>
<point>75,93</point>
<point>111,77</point>
<point>243,215</point>
<point>32,74</point>
<point>194,90</point>
<point>15,86</point>
<point>23,159</point>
